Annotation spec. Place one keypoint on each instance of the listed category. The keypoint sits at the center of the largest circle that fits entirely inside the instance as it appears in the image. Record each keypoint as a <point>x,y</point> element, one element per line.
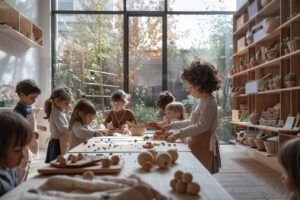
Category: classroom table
<point>159,179</point>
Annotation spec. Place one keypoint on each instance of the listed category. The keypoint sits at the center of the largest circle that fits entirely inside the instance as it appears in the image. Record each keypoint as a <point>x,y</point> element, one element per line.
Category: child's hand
<point>167,127</point>
<point>110,125</point>
<point>99,134</point>
<point>172,138</point>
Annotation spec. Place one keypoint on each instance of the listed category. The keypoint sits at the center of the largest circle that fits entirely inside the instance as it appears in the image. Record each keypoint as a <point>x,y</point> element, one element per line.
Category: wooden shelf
<point>270,91</point>
<point>268,63</point>
<point>18,27</point>
<point>7,30</point>
<point>100,84</point>
<point>265,11</point>
<point>267,128</point>
<point>98,96</point>
<point>102,72</point>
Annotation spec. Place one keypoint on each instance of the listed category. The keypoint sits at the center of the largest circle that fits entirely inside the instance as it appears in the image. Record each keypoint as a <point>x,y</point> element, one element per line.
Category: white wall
<point>18,61</point>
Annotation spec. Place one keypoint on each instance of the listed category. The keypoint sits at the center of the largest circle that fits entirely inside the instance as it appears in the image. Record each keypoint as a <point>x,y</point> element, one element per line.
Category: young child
<point>174,112</point>
<point>55,107</point>
<point>163,100</point>
<point>202,79</point>
<point>15,136</point>
<point>27,91</point>
<point>83,114</point>
<point>119,115</point>
<point>288,157</point>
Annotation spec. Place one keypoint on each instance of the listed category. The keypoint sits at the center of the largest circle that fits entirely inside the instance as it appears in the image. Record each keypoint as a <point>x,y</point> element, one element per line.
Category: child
<point>83,114</point>
<point>15,136</point>
<point>163,100</point>
<point>27,91</point>
<point>119,115</point>
<point>174,112</point>
<point>288,157</point>
<point>59,127</point>
<point>202,79</point>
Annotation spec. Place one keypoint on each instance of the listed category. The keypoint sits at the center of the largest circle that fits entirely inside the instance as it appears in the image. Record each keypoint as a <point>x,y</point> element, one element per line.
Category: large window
<point>139,46</point>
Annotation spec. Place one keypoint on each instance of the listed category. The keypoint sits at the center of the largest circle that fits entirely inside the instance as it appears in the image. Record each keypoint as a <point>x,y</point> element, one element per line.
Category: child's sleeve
<point>131,117</point>
<point>208,113</point>
<point>108,119</point>
<point>61,122</point>
<point>83,132</point>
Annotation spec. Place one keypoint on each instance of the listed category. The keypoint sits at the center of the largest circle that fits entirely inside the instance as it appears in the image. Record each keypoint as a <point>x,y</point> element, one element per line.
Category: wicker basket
<point>251,142</point>
<point>259,144</point>
<point>271,147</point>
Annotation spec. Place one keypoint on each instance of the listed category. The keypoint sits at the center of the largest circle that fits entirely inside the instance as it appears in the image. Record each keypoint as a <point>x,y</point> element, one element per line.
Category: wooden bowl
<point>137,131</point>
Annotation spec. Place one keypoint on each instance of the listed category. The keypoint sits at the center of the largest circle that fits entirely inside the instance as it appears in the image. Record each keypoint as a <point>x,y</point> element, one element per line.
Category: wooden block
<point>96,168</point>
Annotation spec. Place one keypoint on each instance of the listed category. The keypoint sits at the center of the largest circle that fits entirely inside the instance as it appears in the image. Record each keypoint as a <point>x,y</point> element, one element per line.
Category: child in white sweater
<point>83,114</point>
<point>202,80</point>
<point>55,107</point>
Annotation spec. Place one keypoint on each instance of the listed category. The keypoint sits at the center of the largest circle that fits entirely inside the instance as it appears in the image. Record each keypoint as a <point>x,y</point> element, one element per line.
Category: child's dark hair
<point>164,99</point>
<point>83,105</point>
<point>15,131</point>
<point>120,95</point>
<point>27,87</point>
<point>202,75</point>
<point>289,158</point>
<point>61,94</point>
<point>177,107</point>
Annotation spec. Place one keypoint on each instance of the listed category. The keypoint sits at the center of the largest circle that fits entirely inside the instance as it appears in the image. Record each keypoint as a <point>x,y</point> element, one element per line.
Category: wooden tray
<point>96,168</point>
<point>87,161</point>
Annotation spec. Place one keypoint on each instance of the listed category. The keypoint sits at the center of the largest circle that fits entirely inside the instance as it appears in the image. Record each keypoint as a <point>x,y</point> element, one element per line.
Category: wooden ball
<point>106,162</point>
<point>187,177</point>
<point>193,188</point>
<point>147,166</point>
<point>178,175</point>
<point>88,175</point>
<point>154,153</point>
<point>80,156</point>
<point>173,184</point>
<point>74,159</point>
<point>173,154</point>
<point>62,161</point>
<point>143,157</point>
<point>180,187</point>
<point>115,160</point>
<point>163,160</point>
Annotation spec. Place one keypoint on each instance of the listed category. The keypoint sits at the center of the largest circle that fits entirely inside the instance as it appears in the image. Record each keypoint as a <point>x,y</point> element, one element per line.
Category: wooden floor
<point>245,178</point>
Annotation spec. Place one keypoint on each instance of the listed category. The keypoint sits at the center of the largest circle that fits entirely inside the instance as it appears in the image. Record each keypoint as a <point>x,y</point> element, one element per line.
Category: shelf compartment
<point>9,16</point>
<point>37,34</point>
<point>25,27</point>
<point>18,36</point>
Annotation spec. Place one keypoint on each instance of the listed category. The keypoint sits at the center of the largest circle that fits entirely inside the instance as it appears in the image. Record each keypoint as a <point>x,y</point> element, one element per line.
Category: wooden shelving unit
<point>18,27</point>
<point>288,13</point>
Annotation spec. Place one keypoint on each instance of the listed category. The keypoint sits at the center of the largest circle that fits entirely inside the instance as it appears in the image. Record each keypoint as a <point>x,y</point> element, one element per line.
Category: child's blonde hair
<point>15,131</point>
<point>177,107</point>
<point>289,158</point>
<point>86,107</point>
<point>62,94</point>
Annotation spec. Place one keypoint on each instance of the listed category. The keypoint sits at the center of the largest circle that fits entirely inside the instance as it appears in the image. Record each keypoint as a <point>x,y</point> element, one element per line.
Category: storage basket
<point>251,142</point>
<point>259,144</point>
<point>271,147</point>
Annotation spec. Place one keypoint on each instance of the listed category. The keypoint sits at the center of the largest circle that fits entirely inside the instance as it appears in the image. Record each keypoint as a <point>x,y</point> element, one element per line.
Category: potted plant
<point>285,46</point>
<point>270,84</point>
<point>253,62</point>
<point>272,51</point>
<point>290,79</point>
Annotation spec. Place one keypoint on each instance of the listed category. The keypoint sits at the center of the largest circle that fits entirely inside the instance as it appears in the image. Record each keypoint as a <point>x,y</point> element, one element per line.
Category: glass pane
<point>145,64</point>
<point>103,5</point>
<point>90,56</point>
<point>208,37</point>
<point>142,5</point>
<point>203,5</point>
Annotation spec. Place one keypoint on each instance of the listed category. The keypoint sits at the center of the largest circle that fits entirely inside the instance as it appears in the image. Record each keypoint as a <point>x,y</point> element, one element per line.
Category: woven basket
<point>259,144</point>
<point>251,142</point>
<point>271,147</point>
